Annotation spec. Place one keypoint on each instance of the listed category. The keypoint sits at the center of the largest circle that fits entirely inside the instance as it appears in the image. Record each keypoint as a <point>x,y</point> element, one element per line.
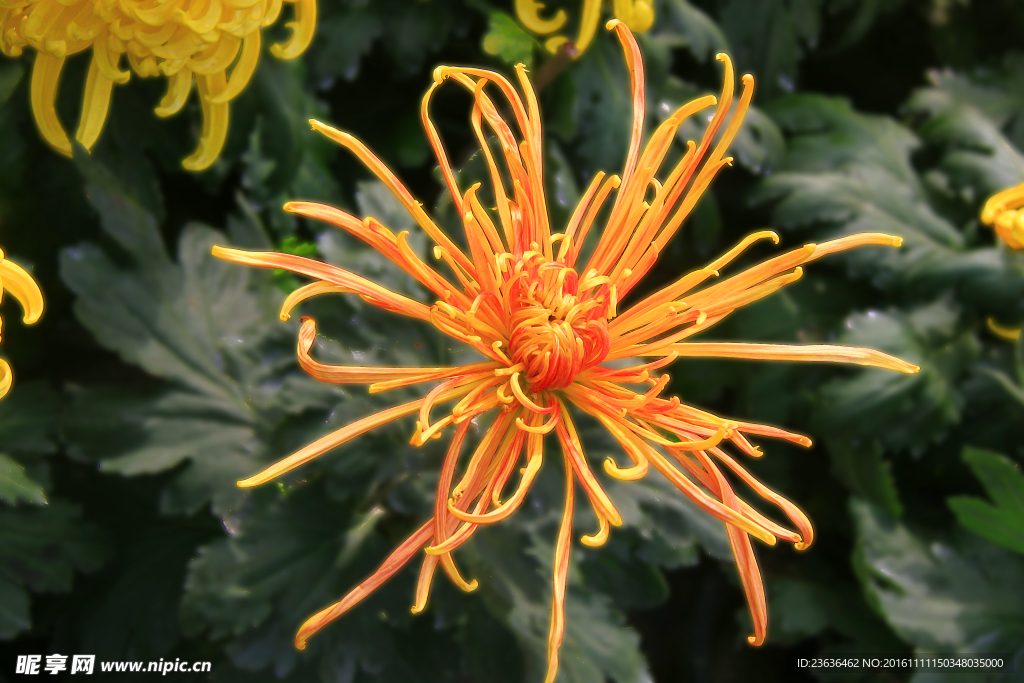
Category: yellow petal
<point>588,24</point>
<point>97,102</point>
<point>20,284</point>
<point>215,123</point>
<point>45,75</point>
<point>243,70</point>
<point>178,87</point>
<point>6,377</point>
<point>302,31</point>
<point>529,11</point>
<point>638,15</point>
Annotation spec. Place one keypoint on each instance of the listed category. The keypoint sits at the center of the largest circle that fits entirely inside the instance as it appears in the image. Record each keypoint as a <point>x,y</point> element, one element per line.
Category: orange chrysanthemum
<point>548,327</point>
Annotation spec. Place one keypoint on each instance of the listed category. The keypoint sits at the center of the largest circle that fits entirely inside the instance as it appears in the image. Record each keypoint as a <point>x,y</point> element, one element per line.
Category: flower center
<point>558,328</point>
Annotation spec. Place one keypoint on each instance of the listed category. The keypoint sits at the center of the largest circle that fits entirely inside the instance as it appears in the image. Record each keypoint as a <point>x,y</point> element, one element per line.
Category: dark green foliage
<point>160,375</point>
<point>1002,520</point>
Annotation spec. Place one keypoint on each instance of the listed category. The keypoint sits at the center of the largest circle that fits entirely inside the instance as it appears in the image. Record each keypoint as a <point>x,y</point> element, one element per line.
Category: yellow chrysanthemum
<point>637,15</point>
<point>1004,211</point>
<point>20,284</point>
<point>179,39</point>
<point>543,311</point>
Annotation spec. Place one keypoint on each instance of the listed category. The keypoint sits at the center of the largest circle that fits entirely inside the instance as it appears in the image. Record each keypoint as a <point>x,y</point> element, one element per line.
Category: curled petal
<point>589,20</point>
<point>215,123</point>
<point>529,11</point>
<point>94,110</point>
<point>337,374</point>
<point>6,378</point>
<point>243,69</point>
<point>45,75</point>
<point>14,279</point>
<point>601,537</point>
<point>179,86</point>
<point>511,505</point>
<point>302,31</point>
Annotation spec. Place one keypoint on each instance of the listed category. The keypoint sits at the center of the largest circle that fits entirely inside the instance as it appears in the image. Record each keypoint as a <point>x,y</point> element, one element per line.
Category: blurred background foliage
<point>159,376</point>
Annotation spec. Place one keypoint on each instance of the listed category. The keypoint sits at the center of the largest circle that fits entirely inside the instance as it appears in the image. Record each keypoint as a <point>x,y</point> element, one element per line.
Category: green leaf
<point>864,470</point>
<point>846,173</point>
<point>132,613</point>
<point>134,435</point>
<point>28,419</point>
<point>41,548</point>
<point>976,155</point>
<point>10,75</point>
<point>1006,384</point>
<point>415,30</point>
<point>941,596</point>
<point>901,411</point>
<point>865,15</point>
<point>343,40</point>
<point>697,31</point>
<point>16,486</point>
<point>766,36</point>
<point>14,609</point>
<point>203,327</point>
<point>597,644</point>
<point>852,172</point>
<point>508,41</point>
<point>797,608</point>
<point>603,107</point>
<point>758,146</point>
<point>1001,520</point>
<point>290,555</point>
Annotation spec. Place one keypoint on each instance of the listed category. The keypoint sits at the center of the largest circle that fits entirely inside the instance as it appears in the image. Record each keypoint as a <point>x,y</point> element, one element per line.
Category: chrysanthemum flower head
<point>544,312</point>
<point>1004,211</point>
<point>22,287</point>
<point>637,15</point>
<point>184,40</point>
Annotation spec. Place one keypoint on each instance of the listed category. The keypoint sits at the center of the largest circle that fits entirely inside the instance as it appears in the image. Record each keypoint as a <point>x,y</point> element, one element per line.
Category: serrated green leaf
<point>1001,520</point>
<point>201,325</point>
<point>41,549</point>
<point>596,646</point>
<point>700,34</point>
<point>798,608</point>
<point>901,411</point>
<point>976,154</point>
<point>343,40</point>
<point>415,31</point>
<point>28,419</point>
<point>508,41</point>
<point>864,470</point>
<point>132,612</point>
<point>603,108</point>
<point>289,556</point>
<point>846,173</point>
<point>766,36</point>
<point>758,146</point>
<point>942,596</point>
<point>15,486</point>
<point>14,609</point>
